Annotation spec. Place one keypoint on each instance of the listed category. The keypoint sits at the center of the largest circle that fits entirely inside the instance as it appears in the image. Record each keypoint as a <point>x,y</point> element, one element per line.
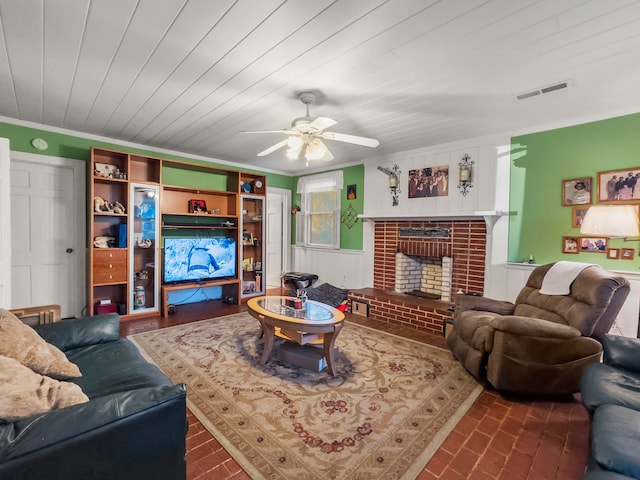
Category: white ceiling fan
<point>306,134</point>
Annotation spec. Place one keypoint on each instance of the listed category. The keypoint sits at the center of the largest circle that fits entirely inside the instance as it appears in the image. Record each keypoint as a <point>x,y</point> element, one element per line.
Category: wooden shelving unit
<point>252,228</point>
<point>107,264</point>
<point>175,200</point>
<point>132,263</point>
<point>113,260</point>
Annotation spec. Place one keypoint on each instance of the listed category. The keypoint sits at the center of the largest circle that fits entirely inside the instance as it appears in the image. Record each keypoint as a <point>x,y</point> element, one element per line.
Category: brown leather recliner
<point>541,343</point>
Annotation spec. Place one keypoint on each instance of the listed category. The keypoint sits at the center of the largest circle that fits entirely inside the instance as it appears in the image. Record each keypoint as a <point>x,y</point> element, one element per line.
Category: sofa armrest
<point>622,352</point>
<point>473,302</point>
<point>533,327</point>
<point>79,332</point>
<point>34,434</point>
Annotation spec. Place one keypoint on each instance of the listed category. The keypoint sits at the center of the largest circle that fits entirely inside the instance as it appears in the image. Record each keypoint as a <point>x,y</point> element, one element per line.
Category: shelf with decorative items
<point>253,183</point>
<point>195,202</point>
<point>111,260</point>
<point>108,284</point>
<point>109,164</point>
<point>140,202</point>
<point>252,246</point>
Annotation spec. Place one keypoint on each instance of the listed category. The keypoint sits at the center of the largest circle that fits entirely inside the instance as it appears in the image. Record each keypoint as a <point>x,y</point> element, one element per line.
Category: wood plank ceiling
<point>187,75</point>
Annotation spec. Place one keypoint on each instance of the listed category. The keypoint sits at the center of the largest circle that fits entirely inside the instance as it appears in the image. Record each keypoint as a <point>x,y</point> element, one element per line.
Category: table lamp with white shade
<point>611,221</point>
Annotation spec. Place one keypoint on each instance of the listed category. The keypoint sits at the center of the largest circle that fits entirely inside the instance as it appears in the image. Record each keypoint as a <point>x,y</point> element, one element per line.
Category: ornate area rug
<point>392,403</point>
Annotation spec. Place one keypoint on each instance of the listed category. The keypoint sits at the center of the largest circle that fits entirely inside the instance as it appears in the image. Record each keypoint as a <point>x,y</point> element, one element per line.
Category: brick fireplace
<point>465,248</point>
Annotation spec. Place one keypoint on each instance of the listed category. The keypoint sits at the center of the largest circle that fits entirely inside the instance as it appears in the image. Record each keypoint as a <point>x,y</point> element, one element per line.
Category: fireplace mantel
<point>490,217</point>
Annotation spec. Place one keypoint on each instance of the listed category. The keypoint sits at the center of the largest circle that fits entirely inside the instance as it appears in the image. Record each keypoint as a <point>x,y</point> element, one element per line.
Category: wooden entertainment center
<point>137,201</point>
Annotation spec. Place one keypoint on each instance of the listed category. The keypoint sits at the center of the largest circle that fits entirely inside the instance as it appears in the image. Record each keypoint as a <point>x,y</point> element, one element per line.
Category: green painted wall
<point>77,148</point>
<point>539,164</point>
<point>350,238</point>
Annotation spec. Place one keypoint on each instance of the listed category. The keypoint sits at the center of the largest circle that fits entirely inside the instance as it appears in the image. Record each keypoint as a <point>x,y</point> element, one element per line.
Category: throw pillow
<point>24,393</point>
<point>21,342</point>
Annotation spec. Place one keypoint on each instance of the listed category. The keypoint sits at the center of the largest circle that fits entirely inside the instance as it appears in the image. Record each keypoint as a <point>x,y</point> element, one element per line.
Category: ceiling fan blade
<point>321,123</point>
<point>342,137</point>
<point>286,132</point>
<point>273,148</point>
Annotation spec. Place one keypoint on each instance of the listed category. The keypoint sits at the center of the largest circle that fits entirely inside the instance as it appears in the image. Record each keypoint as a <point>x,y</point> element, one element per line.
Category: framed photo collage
<point>613,187</point>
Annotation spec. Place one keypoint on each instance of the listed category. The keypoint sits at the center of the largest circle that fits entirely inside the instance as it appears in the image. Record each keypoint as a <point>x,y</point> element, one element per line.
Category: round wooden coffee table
<point>316,323</point>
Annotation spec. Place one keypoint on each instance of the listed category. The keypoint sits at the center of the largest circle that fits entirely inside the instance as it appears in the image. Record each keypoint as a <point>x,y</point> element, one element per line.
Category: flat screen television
<point>199,259</point>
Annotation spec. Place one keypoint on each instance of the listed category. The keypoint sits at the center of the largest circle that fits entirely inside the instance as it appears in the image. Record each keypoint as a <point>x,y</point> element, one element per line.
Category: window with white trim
<point>318,224</point>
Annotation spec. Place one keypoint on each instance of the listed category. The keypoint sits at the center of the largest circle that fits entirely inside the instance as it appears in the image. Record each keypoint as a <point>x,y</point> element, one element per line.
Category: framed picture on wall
<point>351,192</point>
<point>628,253</point>
<point>593,244</point>
<point>619,186</point>
<point>429,182</point>
<point>613,253</point>
<point>576,191</point>
<point>570,244</point>
<point>577,216</point>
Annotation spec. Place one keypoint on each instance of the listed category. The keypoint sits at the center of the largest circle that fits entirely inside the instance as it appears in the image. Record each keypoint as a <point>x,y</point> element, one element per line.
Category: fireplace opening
<point>425,277</point>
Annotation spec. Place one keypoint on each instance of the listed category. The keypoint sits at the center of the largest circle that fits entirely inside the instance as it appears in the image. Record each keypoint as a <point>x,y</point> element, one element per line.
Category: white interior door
<point>278,235</point>
<point>5,219</point>
<point>47,230</point>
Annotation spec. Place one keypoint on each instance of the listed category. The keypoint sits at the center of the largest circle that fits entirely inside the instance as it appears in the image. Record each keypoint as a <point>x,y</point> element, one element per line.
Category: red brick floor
<point>206,459</point>
<point>514,439</point>
<point>500,437</point>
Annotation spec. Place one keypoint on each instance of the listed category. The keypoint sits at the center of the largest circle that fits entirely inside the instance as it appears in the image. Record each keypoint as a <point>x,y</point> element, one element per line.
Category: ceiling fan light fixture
<point>293,153</point>
<point>295,143</point>
<point>315,151</point>
<point>304,136</point>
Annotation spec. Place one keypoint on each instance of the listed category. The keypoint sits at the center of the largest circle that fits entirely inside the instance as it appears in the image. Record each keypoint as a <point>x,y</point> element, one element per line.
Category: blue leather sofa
<point>134,425</point>
<point>611,394</point>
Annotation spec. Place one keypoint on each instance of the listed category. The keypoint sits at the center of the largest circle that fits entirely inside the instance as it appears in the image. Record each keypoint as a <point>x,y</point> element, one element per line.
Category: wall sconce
<point>465,172</point>
<point>394,181</point>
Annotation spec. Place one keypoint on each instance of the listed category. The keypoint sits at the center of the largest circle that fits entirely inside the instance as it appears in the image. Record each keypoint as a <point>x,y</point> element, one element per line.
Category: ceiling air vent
<point>551,88</point>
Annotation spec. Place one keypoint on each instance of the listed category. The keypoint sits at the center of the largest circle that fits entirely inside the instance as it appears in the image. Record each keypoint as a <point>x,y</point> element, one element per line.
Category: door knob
<point>69,250</point>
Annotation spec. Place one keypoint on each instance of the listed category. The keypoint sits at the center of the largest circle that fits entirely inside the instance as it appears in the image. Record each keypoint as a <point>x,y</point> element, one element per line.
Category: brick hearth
<point>394,308</point>
<point>467,248</point>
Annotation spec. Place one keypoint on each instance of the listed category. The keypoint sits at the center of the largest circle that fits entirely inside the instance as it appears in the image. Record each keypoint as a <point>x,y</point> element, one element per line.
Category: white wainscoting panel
<point>341,268</point>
